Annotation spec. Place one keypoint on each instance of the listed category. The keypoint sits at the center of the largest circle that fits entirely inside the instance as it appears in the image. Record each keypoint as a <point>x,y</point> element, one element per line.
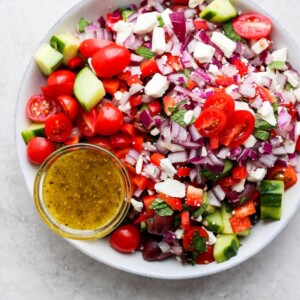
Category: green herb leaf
<point>200,211</point>
<point>262,124</point>
<point>161,21</point>
<point>230,33</point>
<point>288,87</point>
<point>198,242</point>
<point>243,200</point>
<point>145,52</point>
<point>126,13</point>
<point>275,108</point>
<point>161,208</point>
<point>178,117</point>
<point>186,73</point>
<point>280,65</point>
<point>176,108</point>
<point>82,24</point>
<point>261,134</point>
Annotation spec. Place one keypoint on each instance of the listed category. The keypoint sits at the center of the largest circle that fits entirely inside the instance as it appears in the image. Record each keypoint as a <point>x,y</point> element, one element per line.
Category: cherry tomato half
<point>110,60</point>
<point>285,174</point>
<point>120,140</point>
<point>69,105</point>
<point>38,149</point>
<point>61,77</point>
<point>189,235</point>
<point>252,26</point>
<point>58,128</point>
<point>206,257</point>
<point>211,122</point>
<point>100,141</point>
<point>86,121</point>
<point>221,101</point>
<point>90,46</point>
<point>39,108</point>
<point>110,119</point>
<point>125,239</point>
<point>239,127</point>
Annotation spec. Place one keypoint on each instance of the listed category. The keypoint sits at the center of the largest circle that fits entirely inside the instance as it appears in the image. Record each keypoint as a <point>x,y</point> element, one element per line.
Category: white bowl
<point>261,235</point>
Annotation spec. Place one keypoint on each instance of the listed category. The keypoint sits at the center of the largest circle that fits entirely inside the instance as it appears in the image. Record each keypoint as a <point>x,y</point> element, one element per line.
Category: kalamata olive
<point>151,250</point>
<point>159,224</point>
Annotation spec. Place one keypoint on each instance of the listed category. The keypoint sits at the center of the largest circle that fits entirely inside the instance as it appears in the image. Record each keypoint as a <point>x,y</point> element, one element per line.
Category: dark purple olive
<point>159,225</point>
<point>151,250</point>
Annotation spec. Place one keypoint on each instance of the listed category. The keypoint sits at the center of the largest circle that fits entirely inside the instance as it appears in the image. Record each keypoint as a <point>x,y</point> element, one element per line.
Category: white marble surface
<point>36,264</point>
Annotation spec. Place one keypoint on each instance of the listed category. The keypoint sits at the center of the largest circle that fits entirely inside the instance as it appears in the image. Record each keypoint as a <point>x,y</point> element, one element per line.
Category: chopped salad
<point>200,108</point>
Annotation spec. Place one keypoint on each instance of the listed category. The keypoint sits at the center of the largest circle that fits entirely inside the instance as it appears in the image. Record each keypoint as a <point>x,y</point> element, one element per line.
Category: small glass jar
<point>62,166</point>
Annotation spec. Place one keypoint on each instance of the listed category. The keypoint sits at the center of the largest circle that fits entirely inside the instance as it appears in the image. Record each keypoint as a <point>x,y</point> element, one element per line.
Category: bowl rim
<point>81,247</point>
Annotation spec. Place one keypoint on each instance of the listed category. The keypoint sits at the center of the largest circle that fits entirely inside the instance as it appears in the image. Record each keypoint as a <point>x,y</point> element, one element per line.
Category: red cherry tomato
<point>100,141</point>
<point>211,122</point>
<point>125,239</point>
<point>38,149</point>
<point>69,105</point>
<point>252,26</point>
<point>110,60</point>
<point>58,128</point>
<point>221,101</point>
<point>90,46</point>
<point>39,108</point>
<point>222,80</point>
<point>86,121</point>
<point>155,107</point>
<point>285,174</point>
<point>110,119</point>
<point>120,140</point>
<point>61,77</point>
<point>298,145</point>
<point>206,257</point>
<point>188,237</point>
<point>239,127</point>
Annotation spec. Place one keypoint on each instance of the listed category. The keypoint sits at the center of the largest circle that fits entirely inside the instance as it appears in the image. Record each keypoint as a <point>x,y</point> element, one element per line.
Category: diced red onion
<point>279,151</point>
<point>169,236</point>
<point>186,60</point>
<point>284,119</point>
<point>214,168</point>
<point>223,153</point>
<point>125,98</point>
<point>213,200</point>
<point>266,148</point>
<point>152,171</point>
<point>218,192</point>
<point>193,153</point>
<point>133,42</point>
<point>163,67</point>
<point>136,58</point>
<point>176,78</point>
<point>148,146</point>
<point>193,174</point>
<point>293,160</point>
<point>214,159</point>
<point>203,75</point>
<point>182,90</point>
<point>138,192</point>
<point>146,118</point>
<point>178,157</point>
<point>131,160</point>
<point>179,25</point>
<point>104,34</point>
<point>247,90</point>
<point>256,103</point>
<point>194,133</point>
<point>239,48</point>
<point>268,160</point>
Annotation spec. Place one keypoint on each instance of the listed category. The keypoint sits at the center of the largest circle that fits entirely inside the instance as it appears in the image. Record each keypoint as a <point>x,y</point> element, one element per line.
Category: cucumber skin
<point>32,131</point>
<point>226,247</point>
<point>214,222</point>
<point>225,217</point>
<point>272,187</point>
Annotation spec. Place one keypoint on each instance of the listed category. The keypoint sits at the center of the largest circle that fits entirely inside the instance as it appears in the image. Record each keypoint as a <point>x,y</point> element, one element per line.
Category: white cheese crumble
<point>195,3</point>
<point>171,187</point>
<point>168,168</point>
<point>260,46</point>
<point>157,86</point>
<point>159,44</point>
<point>224,43</point>
<point>146,22</point>
<point>123,30</point>
<point>204,53</point>
<point>257,175</point>
<point>137,205</point>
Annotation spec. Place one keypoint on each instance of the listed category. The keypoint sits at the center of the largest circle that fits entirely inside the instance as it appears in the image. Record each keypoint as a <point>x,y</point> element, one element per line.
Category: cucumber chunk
<point>219,11</point>
<point>210,209</point>
<point>35,129</point>
<point>214,222</point>
<point>48,59</point>
<point>243,233</point>
<point>226,246</point>
<point>126,13</point>
<point>67,44</point>
<point>88,89</point>
<point>226,214</point>
<point>271,195</point>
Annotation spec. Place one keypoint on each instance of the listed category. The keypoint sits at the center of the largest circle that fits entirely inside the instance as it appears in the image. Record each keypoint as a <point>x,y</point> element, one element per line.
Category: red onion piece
<point>179,25</point>
<point>178,157</point>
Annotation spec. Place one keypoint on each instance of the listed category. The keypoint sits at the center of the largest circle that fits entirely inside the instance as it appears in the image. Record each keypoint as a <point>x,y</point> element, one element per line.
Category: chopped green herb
<point>275,107</point>
<point>161,21</point>
<point>178,117</point>
<point>262,124</point>
<point>161,208</point>
<point>186,73</point>
<point>243,200</point>
<point>176,108</point>
<point>261,134</point>
<point>288,87</point>
<point>82,24</point>
<point>231,34</point>
<point>200,211</point>
<point>280,65</point>
<point>145,52</point>
<point>126,13</point>
<point>199,242</point>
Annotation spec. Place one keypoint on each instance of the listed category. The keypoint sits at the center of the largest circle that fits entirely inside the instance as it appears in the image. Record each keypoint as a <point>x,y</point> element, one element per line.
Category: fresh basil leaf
<point>186,73</point>
<point>178,117</point>
<point>176,108</point>
<point>161,21</point>
<point>261,124</point>
<point>198,242</point>
<point>280,65</point>
<point>231,34</point>
<point>288,87</point>
<point>261,134</point>
<point>145,52</point>
<point>161,208</point>
<point>82,24</point>
<point>200,211</point>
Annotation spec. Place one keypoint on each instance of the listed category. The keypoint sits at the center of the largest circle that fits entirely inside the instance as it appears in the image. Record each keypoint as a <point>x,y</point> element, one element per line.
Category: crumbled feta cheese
<point>211,237</point>
<point>280,55</point>
<point>260,46</point>
<point>188,116</point>
<point>118,95</point>
<point>159,44</point>
<point>146,22</point>
<point>289,146</point>
<point>213,69</point>
<point>224,43</point>
<point>292,78</point>
<point>243,106</point>
<point>123,30</point>
<point>167,166</point>
<point>171,187</point>
<point>204,53</point>
<point>157,86</point>
<point>195,3</point>
<point>297,94</point>
<point>163,176</point>
<point>257,175</point>
<point>137,205</point>
<point>179,233</point>
<point>265,109</point>
<point>270,119</point>
<point>250,142</point>
<point>239,187</point>
<point>203,152</point>
<point>165,16</point>
<point>139,165</point>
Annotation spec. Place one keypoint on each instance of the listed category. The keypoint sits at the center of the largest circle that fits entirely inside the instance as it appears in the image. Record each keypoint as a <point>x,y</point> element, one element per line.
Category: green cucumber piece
<point>48,59</point>
<point>219,11</point>
<point>214,222</point>
<point>226,246</point>
<point>210,209</point>
<point>228,165</point>
<point>226,213</point>
<point>35,129</point>
<point>126,13</point>
<point>88,89</point>
<point>243,233</point>
<point>67,44</point>
<point>271,195</point>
